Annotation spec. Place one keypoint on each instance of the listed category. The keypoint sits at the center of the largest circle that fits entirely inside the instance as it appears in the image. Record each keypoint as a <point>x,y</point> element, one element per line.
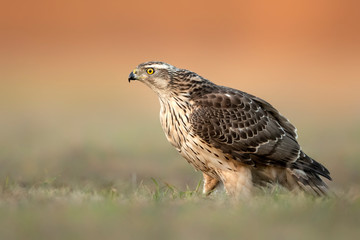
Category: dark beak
<point>132,76</point>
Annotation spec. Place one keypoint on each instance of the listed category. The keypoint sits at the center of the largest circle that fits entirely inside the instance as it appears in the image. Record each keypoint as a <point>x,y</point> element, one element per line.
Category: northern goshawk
<point>229,135</point>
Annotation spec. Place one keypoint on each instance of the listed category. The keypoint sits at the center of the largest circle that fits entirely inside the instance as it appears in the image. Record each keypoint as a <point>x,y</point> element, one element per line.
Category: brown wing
<point>246,127</point>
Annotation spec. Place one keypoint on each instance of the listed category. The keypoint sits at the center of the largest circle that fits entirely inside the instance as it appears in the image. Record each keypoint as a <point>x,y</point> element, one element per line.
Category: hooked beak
<point>132,76</point>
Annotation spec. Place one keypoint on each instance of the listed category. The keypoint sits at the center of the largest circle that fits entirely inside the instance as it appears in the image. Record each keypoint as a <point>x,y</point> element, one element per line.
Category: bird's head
<point>165,79</point>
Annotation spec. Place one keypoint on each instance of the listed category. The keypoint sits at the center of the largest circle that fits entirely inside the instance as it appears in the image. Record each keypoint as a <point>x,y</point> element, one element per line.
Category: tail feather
<point>308,164</point>
<point>306,172</point>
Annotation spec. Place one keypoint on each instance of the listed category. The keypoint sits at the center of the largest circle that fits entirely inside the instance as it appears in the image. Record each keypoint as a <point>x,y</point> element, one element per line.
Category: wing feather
<point>247,127</point>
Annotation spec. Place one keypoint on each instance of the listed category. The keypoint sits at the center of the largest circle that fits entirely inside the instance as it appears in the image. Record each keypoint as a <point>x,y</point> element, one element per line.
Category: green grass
<point>161,211</point>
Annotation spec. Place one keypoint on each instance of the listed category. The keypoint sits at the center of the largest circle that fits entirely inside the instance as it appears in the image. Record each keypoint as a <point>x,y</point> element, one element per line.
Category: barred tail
<point>306,172</point>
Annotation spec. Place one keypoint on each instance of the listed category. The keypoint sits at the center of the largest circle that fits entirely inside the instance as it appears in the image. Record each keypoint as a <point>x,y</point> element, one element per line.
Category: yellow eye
<point>150,71</point>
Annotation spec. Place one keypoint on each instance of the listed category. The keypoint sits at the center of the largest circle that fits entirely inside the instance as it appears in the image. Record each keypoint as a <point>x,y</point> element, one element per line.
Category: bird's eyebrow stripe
<point>157,66</point>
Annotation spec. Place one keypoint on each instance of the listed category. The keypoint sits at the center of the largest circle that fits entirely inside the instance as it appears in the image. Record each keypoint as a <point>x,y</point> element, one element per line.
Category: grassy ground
<point>159,211</point>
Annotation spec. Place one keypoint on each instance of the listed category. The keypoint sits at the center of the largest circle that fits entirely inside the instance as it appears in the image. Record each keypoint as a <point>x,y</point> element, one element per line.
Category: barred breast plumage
<point>175,121</point>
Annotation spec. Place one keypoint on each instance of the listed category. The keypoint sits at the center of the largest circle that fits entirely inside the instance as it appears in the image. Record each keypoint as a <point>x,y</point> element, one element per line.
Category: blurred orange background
<point>307,49</point>
<point>64,64</point>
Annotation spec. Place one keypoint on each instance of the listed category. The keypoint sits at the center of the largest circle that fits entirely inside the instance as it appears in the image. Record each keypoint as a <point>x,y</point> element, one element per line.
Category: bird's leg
<point>209,184</point>
<point>238,184</point>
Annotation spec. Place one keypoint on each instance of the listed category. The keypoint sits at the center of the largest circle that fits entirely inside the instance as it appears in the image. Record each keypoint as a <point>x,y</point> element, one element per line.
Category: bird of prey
<point>230,136</point>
